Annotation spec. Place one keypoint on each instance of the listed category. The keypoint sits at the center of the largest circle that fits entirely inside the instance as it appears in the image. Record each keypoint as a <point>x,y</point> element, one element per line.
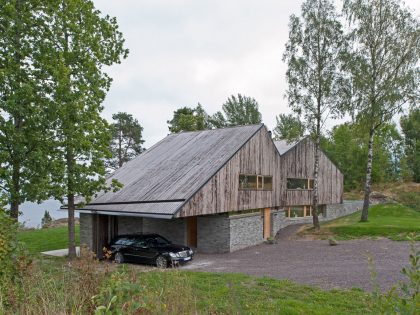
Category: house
<point>297,161</point>
<point>216,190</point>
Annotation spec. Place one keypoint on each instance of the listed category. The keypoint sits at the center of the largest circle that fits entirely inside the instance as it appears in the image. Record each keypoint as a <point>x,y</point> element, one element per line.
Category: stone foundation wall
<point>246,230</point>
<point>213,233</point>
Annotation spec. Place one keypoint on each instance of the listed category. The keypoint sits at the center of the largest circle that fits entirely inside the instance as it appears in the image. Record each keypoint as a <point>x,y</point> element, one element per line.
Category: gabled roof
<point>283,146</point>
<point>161,179</point>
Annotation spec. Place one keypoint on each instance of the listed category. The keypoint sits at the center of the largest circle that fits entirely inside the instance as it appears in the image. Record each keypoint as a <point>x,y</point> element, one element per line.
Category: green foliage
<point>313,56</point>
<point>14,261</point>
<point>403,298</point>
<point>288,128</point>
<point>177,292</point>
<point>189,119</point>
<point>46,219</point>
<point>126,140</point>
<point>410,125</point>
<point>347,145</point>
<point>24,104</point>
<point>237,111</point>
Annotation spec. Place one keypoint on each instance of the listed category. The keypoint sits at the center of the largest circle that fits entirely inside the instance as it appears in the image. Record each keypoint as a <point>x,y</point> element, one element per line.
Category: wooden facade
<point>221,193</point>
<point>298,162</point>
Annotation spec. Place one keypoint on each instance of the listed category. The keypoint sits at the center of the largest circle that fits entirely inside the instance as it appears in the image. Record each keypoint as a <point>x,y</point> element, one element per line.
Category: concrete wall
<point>213,233</point>
<point>174,230</point>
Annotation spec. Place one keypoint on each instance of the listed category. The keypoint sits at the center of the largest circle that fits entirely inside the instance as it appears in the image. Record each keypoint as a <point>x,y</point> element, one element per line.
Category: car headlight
<point>191,252</point>
<point>173,255</point>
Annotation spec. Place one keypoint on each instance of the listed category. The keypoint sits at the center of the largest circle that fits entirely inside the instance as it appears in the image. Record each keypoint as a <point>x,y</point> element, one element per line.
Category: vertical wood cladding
<point>298,162</point>
<point>222,194</point>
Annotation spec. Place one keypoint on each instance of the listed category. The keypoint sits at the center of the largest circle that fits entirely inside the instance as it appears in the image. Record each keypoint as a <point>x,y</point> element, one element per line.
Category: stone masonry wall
<point>213,234</point>
<point>246,230</point>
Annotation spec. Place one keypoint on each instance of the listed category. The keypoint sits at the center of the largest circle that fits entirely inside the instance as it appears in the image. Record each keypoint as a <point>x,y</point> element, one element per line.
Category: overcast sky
<point>187,51</point>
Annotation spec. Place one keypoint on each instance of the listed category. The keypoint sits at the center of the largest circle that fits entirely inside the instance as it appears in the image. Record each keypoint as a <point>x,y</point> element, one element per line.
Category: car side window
<point>139,243</point>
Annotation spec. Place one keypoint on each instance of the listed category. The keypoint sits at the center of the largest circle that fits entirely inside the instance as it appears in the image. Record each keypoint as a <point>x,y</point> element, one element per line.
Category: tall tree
<point>126,140</point>
<point>347,145</point>
<point>288,128</point>
<point>383,64</point>
<point>314,80</point>
<point>189,119</point>
<point>410,125</point>
<point>237,111</point>
<point>82,42</point>
<point>24,116</point>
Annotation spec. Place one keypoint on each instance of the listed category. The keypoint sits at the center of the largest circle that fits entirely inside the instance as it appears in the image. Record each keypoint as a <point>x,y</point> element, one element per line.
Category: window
<point>300,183</point>
<point>298,211</point>
<point>255,182</point>
<point>304,211</point>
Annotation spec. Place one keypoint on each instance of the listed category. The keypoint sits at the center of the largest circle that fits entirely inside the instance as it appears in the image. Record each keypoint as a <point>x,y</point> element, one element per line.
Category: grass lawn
<point>394,221</point>
<point>40,240</point>
<point>176,292</point>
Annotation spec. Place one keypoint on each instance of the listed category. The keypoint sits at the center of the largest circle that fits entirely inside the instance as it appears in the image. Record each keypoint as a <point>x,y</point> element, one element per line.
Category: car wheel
<point>161,262</point>
<point>119,258</point>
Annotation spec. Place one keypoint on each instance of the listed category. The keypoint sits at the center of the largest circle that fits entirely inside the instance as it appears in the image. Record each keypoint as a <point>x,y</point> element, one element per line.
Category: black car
<point>149,248</point>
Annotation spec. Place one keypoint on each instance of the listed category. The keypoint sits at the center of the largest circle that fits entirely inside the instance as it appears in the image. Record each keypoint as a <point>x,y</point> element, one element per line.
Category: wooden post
<point>267,223</point>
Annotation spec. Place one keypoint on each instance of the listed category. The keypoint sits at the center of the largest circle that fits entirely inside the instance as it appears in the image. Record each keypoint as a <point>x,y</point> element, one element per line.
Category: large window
<point>304,211</point>
<point>255,182</point>
<point>300,183</point>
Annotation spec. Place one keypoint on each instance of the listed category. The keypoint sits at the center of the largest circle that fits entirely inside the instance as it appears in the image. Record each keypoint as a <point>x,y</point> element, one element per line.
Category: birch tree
<point>383,64</point>
<point>315,84</point>
<point>82,42</point>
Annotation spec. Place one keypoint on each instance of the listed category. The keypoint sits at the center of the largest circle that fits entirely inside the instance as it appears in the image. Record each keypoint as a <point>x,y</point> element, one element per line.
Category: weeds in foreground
<point>403,298</point>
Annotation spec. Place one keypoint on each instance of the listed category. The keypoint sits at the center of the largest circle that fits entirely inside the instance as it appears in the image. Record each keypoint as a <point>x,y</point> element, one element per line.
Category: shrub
<point>403,298</point>
<point>46,219</point>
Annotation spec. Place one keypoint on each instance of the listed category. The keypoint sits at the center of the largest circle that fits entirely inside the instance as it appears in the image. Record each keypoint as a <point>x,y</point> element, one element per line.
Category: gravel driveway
<point>314,262</point>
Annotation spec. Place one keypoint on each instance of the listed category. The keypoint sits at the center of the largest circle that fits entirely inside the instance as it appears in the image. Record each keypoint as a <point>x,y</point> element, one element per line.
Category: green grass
<point>172,292</point>
<point>394,221</point>
<point>40,240</point>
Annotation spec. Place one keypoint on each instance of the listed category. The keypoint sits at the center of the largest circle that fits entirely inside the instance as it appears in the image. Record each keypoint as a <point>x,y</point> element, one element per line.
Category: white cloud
<point>186,51</point>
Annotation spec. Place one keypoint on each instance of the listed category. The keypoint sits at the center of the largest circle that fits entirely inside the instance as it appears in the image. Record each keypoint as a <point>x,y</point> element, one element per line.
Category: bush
<point>14,261</point>
<point>46,219</point>
<point>404,298</point>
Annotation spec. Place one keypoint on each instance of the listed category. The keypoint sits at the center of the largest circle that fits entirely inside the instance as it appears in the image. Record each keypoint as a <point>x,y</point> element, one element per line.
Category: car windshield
<point>157,241</point>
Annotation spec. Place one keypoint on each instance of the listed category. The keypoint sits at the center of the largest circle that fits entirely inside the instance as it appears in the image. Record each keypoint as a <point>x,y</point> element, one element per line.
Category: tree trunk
<point>71,206</point>
<point>368,181</point>
<point>71,227</point>
<point>120,158</point>
<point>315,218</point>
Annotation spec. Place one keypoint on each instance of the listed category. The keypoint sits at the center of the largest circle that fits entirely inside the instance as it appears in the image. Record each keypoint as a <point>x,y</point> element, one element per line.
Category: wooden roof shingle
<point>172,170</point>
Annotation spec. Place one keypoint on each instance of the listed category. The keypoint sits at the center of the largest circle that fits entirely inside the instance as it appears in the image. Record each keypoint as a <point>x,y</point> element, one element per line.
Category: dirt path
<point>314,262</point>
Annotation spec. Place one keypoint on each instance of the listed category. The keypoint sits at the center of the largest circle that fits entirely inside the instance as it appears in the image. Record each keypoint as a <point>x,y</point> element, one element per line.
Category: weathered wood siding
<point>221,193</point>
<point>298,162</point>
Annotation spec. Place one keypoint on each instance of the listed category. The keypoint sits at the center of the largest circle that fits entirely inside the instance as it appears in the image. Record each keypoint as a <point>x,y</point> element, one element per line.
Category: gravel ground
<point>314,262</point>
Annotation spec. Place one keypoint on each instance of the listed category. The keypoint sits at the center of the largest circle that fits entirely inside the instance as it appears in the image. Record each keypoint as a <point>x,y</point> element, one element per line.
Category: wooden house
<point>215,190</point>
<point>297,161</point>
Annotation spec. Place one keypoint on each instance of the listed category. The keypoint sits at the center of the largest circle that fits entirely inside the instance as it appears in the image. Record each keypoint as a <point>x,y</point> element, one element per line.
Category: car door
<point>140,251</point>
